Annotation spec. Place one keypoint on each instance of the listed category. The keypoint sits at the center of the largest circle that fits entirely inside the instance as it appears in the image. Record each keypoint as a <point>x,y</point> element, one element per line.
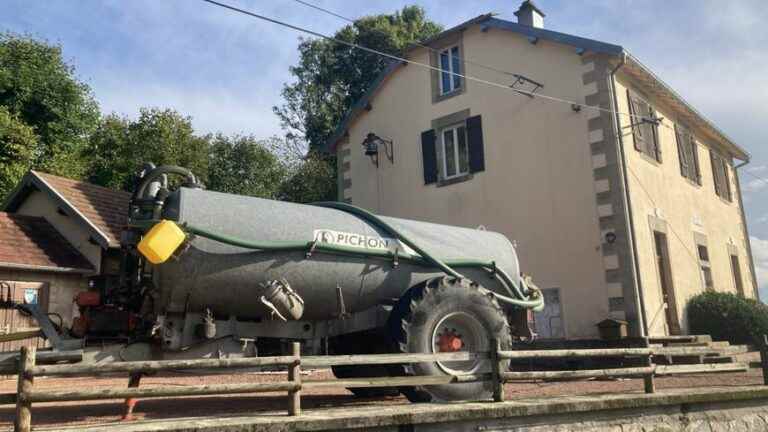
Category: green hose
<point>516,295</point>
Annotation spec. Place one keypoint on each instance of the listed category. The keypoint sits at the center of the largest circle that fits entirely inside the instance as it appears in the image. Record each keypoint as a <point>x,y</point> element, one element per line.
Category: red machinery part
<point>88,298</point>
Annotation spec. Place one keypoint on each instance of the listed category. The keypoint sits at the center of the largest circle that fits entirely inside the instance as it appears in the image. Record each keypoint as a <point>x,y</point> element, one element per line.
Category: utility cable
<point>534,94</point>
<point>428,66</point>
<point>440,70</point>
<point>417,43</point>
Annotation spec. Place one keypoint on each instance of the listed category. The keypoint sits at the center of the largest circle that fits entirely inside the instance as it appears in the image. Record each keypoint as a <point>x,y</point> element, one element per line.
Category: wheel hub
<point>449,341</point>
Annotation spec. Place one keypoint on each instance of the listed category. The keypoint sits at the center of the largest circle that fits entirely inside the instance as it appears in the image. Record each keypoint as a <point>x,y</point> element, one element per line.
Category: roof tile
<point>32,241</point>
<point>106,208</point>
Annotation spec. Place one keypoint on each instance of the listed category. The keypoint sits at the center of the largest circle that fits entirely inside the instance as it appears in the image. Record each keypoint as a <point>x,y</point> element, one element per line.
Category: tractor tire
<point>367,342</point>
<point>445,315</point>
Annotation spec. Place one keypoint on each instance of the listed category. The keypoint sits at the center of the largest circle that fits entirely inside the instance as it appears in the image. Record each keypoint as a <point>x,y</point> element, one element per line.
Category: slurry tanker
<point>213,275</point>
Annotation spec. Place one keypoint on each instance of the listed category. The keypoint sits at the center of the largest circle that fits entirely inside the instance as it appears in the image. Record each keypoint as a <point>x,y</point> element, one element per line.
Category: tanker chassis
<point>208,274</point>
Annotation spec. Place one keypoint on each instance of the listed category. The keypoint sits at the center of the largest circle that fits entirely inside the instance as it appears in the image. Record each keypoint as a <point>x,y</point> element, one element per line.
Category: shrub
<point>728,317</point>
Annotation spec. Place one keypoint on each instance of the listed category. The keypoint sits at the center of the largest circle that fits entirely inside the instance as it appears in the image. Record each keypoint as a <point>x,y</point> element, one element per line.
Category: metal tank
<point>230,280</point>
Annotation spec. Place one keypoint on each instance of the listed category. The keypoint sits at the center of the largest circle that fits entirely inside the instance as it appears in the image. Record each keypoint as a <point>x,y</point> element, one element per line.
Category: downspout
<point>629,218</point>
<point>746,230</point>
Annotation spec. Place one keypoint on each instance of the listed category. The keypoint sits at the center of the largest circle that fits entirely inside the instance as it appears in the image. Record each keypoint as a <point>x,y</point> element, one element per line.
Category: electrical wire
<point>534,94</point>
<point>428,66</point>
<point>464,76</point>
<point>416,43</point>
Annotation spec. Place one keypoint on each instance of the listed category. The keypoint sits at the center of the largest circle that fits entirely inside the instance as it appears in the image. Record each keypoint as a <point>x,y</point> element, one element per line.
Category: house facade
<point>58,237</point>
<point>622,199</point>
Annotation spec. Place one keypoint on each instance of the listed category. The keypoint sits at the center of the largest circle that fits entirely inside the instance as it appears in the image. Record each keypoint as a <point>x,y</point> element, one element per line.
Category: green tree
<point>41,90</point>
<point>245,166</point>
<point>17,145</point>
<point>312,180</point>
<point>120,146</point>
<point>330,77</point>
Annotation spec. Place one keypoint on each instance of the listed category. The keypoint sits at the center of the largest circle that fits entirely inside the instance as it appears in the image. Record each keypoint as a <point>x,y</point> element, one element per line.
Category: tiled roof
<point>32,242</point>
<point>105,208</point>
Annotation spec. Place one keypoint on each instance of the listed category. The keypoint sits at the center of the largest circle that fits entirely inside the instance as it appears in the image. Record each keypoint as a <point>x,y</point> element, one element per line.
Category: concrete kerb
<point>364,418</point>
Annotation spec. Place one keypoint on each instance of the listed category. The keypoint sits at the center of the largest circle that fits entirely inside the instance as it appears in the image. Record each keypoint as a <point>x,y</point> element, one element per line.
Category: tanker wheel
<point>449,315</point>
<point>366,342</point>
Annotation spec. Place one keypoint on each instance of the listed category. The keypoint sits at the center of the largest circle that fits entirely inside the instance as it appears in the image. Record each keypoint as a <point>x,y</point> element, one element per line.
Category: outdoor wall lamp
<point>371,145</point>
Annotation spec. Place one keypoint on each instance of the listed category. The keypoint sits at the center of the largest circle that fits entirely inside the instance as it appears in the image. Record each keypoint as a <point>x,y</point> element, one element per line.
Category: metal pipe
<point>746,230</point>
<point>621,160</point>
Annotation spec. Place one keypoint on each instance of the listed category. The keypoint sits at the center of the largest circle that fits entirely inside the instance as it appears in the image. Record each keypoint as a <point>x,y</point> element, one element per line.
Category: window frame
<point>454,129</point>
<point>705,268</point>
<point>454,61</point>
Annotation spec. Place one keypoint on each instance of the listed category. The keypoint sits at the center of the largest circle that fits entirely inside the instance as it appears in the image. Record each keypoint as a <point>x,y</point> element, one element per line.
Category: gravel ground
<point>97,412</point>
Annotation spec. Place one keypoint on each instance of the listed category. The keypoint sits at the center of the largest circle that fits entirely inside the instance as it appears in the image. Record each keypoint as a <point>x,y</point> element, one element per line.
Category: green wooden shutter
<point>476,146</point>
<point>682,152</point>
<point>636,121</point>
<point>429,156</point>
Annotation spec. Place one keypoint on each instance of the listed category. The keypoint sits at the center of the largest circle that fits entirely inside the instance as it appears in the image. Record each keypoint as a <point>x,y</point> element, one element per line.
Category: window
<point>450,65</point>
<point>738,283</point>
<point>455,152</point>
<point>720,175</point>
<point>453,149</point>
<point>706,268</point>
<point>644,129</point>
<point>687,150</point>
<point>665,280</point>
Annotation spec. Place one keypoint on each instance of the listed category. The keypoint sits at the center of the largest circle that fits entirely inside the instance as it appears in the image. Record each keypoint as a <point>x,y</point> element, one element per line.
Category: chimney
<point>530,15</point>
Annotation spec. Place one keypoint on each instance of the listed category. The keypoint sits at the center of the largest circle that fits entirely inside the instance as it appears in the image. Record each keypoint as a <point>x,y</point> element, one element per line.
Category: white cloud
<point>754,185</point>
<point>760,255</point>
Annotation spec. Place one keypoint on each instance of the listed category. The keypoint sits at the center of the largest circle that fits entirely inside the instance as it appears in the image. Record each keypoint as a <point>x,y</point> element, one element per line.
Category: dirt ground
<point>99,412</point>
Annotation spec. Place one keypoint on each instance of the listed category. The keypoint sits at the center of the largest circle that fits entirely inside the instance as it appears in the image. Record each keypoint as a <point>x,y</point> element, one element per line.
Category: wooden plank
<point>498,366</point>
<point>7,398</point>
<point>19,335</point>
<point>25,380</point>
<point>294,376</point>
<point>595,373</point>
<point>575,353</point>
<point>150,392</point>
<point>159,365</point>
<point>764,358</point>
<point>394,381</point>
<point>373,359</point>
<point>9,364</point>
<point>701,368</point>
<point>684,351</point>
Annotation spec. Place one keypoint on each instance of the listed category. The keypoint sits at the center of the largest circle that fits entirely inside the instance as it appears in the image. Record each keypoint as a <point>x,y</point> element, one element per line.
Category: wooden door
<point>12,320</point>
<point>665,279</point>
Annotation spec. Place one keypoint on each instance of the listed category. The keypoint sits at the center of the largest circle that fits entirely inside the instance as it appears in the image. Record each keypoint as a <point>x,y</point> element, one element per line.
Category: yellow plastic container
<point>161,242</point>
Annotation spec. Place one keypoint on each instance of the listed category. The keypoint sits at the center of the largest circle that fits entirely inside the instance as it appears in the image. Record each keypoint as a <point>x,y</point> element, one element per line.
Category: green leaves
<point>119,146</point>
<point>728,317</point>
<point>40,89</point>
<point>330,77</point>
<point>17,150</point>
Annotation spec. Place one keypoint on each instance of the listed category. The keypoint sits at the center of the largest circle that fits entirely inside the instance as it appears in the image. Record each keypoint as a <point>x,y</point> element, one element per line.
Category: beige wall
<point>40,204</point>
<point>538,186</point>
<point>61,289</point>
<point>660,191</point>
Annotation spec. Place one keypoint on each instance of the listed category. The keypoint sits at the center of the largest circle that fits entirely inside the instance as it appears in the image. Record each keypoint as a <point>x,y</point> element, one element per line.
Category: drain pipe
<point>746,230</point>
<point>629,218</point>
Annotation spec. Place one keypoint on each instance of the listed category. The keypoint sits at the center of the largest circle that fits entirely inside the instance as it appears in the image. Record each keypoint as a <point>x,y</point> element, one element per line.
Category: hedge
<point>728,317</point>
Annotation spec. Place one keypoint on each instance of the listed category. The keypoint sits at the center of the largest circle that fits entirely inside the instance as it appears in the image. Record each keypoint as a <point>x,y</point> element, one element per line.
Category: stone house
<point>623,199</point>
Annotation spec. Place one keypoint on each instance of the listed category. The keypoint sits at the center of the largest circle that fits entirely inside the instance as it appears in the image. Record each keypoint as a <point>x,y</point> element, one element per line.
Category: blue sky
<point>226,70</point>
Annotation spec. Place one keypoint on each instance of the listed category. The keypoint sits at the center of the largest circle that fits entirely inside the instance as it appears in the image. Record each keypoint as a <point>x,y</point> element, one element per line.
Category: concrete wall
<point>61,289</point>
<point>538,186</point>
<point>662,198</point>
<point>40,204</point>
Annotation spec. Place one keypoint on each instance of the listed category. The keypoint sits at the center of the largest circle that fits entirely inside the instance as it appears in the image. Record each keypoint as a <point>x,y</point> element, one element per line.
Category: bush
<point>728,317</point>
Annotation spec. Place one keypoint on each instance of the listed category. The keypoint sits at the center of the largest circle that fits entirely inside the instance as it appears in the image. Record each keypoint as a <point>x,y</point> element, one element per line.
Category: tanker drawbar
<point>205,273</point>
